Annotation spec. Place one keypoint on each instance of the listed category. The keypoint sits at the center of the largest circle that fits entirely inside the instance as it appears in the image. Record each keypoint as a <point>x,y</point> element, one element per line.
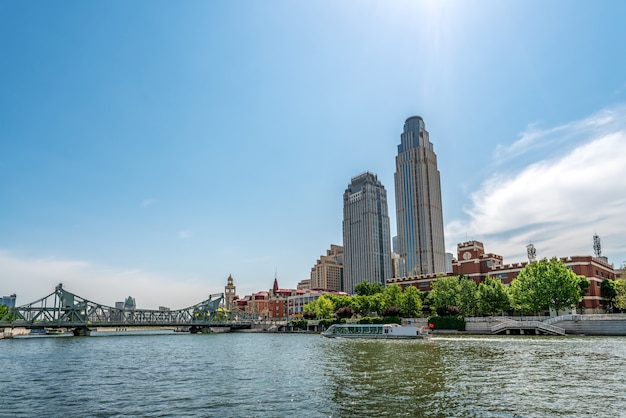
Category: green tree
<point>443,293</point>
<point>366,288</point>
<point>393,296</point>
<point>467,296</point>
<point>411,305</point>
<point>324,307</point>
<point>4,310</point>
<point>583,284</point>
<point>361,304</point>
<point>608,290</point>
<point>493,297</point>
<point>620,298</point>
<point>546,284</point>
<point>340,301</point>
<point>377,303</point>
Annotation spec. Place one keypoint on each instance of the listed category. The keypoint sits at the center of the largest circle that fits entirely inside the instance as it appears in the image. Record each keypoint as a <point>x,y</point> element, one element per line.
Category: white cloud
<point>550,139</point>
<point>559,200</point>
<point>34,278</point>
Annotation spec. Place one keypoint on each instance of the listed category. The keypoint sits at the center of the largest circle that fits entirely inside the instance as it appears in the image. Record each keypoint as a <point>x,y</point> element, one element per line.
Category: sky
<point>152,149</point>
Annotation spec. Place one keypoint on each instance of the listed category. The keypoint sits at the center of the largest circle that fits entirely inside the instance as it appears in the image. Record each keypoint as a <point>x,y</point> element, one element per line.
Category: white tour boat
<point>374,331</point>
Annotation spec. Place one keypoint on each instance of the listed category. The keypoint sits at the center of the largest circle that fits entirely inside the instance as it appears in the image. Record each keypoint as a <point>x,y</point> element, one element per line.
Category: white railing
<point>513,324</point>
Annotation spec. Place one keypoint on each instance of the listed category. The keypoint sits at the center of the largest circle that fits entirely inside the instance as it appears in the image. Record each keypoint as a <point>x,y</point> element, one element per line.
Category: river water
<point>296,375</point>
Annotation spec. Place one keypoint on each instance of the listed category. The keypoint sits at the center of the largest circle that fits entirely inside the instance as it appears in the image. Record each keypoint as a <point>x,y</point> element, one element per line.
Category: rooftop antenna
<point>597,247</point>
<point>532,252</point>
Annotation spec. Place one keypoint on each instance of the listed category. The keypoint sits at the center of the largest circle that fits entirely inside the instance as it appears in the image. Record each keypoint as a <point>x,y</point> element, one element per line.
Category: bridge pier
<point>197,329</point>
<point>81,332</point>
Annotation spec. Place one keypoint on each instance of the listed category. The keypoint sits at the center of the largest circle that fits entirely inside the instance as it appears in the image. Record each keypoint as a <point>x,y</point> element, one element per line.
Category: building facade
<point>8,300</point>
<point>419,212</point>
<point>300,298</point>
<point>327,273</point>
<point>472,261</point>
<point>366,234</point>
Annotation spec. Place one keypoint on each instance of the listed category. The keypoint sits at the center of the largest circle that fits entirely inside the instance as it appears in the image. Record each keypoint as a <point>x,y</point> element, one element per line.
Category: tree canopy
<point>454,291</point>
<point>620,299</point>
<point>366,288</point>
<point>493,297</point>
<point>407,303</point>
<point>546,284</point>
<point>4,310</point>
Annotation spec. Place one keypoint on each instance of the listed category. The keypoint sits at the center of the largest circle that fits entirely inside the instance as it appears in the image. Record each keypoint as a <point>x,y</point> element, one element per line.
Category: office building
<point>366,235</point>
<point>419,213</point>
<point>327,273</point>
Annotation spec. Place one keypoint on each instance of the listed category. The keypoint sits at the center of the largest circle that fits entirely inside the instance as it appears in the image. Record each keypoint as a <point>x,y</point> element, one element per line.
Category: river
<point>304,375</point>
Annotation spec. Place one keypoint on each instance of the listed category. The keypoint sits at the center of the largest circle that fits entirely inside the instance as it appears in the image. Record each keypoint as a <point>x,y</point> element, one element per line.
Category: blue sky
<point>153,148</point>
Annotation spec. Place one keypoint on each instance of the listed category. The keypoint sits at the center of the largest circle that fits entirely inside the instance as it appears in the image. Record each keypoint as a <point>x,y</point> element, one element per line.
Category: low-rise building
<point>476,264</point>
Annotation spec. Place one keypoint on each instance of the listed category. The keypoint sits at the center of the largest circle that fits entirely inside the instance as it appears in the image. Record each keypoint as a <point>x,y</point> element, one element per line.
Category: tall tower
<point>419,212</point>
<point>230,292</point>
<point>366,235</point>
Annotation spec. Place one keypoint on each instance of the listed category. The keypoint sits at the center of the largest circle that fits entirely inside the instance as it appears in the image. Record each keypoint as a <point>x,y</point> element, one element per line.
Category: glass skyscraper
<point>366,234</point>
<point>419,213</point>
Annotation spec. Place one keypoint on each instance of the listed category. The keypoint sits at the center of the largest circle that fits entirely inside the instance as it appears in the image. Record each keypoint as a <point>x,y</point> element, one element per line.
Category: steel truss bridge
<point>63,309</point>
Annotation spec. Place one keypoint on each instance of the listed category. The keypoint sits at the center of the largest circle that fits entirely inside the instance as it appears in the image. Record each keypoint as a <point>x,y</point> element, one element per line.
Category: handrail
<point>525,324</point>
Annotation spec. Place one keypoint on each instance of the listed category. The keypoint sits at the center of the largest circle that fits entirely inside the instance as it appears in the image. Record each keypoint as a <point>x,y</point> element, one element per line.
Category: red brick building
<point>474,262</point>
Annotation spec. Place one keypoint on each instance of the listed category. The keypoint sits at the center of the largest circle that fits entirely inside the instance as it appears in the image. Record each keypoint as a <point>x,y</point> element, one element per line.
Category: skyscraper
<point>366,235</point>
<point>419,211</point>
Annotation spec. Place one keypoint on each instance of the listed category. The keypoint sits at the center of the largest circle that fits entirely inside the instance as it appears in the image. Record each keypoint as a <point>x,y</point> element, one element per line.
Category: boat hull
<point>374,331</point>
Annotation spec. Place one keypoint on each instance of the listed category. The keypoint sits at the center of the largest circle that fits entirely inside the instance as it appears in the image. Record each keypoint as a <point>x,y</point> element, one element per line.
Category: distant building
<point>327,273</point>
<point>8,300</point>
<point>476,264</point>
<point>395,264</point>
<point>119,305</point>
<point>304,284</point>
<point>270,305</point>
<point>419,213</point>
<point>366,235</point>
<point>230,294</point>
<point>130,304</point>
<point>297,301</point>
<point>449,258</point>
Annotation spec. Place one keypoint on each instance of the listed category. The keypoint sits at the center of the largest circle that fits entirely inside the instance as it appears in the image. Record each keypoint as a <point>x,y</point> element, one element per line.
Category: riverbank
<point>593,324</point>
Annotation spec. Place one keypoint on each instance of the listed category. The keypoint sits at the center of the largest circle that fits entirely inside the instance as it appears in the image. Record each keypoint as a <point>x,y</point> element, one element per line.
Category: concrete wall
<point>593,324</point>
<point>614,324</point>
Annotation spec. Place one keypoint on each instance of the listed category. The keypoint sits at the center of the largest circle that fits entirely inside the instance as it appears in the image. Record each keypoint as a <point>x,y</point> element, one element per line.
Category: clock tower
<point>230,292</point>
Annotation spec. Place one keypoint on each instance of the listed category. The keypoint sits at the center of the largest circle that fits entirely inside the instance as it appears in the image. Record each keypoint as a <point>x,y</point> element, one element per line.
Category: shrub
<point>300,324</point>
<point>447,322</point>
<point>344,312</point>
<point>452,311</point>
<point>309,315</point>
<point>391,311</point>
<point>392,320</point>
<point>370,320</point>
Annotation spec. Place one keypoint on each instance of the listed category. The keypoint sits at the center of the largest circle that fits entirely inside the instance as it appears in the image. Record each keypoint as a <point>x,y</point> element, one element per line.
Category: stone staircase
<point>527,327</point>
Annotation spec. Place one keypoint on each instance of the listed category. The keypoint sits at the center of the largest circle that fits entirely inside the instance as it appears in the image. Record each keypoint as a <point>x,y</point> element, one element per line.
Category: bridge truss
<point>63,309</point>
